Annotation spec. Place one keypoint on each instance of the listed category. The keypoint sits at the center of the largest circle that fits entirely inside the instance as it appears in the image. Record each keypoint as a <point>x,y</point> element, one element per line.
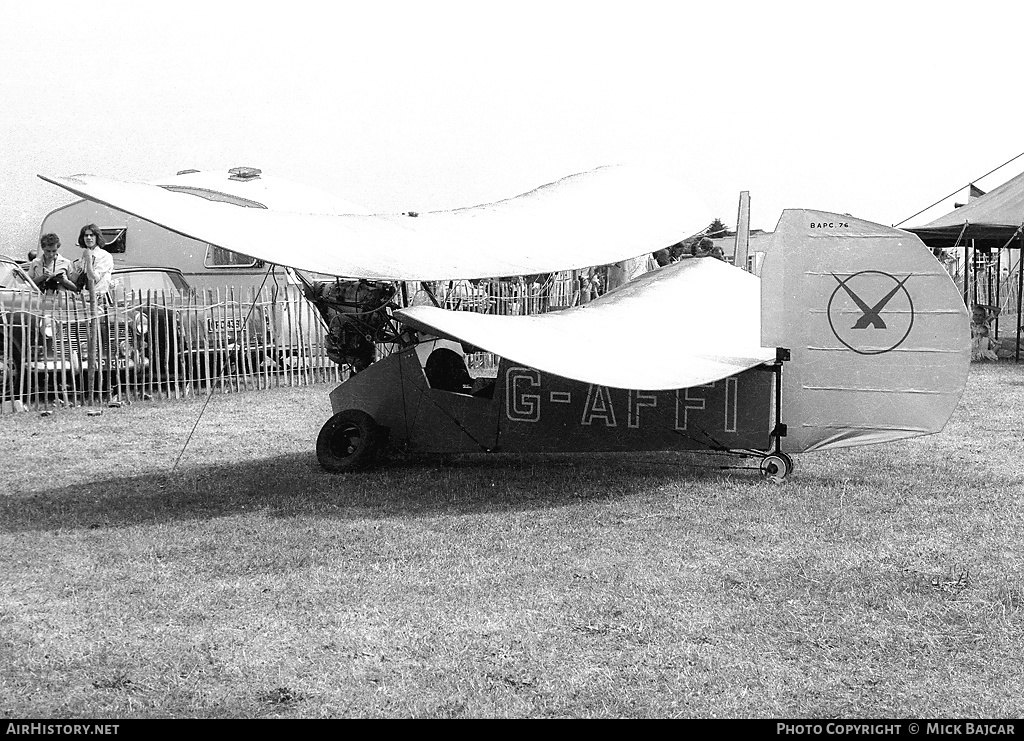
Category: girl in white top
<point>93,269</point>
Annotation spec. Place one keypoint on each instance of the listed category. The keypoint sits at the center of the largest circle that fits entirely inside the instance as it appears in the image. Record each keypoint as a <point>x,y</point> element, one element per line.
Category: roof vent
<point>186,172</point>
<point>244,173</point>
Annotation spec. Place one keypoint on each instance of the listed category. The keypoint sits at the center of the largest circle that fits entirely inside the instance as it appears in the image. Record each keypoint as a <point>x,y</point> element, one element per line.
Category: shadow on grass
<point>295,486</point>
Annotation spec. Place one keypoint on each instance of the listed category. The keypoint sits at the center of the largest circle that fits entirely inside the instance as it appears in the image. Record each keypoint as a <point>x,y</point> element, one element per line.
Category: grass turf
<point>882,581</point>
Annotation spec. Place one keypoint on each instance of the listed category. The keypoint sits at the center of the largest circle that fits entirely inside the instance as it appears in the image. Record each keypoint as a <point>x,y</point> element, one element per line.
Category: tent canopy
<point>995,215</point>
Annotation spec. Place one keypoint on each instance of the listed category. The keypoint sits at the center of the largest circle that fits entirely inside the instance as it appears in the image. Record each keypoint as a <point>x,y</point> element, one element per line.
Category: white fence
<point>505,296</point>
<point>57,348</point>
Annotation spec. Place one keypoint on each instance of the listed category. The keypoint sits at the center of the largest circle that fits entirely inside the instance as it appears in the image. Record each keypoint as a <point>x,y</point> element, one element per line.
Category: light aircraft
<point>853,333</point>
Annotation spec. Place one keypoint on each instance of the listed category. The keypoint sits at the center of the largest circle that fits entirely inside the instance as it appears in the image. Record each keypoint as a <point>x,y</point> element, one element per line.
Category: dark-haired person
<point>92,271</point>
<point>49,270</point>
<point>706,248</point>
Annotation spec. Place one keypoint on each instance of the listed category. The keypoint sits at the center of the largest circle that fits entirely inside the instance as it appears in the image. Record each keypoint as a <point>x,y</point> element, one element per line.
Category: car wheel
<point>349,441</point>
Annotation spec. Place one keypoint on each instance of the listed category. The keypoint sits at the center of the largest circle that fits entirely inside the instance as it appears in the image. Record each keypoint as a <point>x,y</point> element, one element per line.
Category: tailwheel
<point>349,441</point>
<point>776,467</point>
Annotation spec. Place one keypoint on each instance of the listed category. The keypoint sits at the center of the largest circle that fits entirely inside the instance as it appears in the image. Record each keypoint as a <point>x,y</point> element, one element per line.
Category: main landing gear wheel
<point>349,441</point>
<point>776,466</point>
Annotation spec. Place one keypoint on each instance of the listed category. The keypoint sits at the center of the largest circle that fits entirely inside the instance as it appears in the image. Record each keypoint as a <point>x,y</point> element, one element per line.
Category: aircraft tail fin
<point>878,334</point>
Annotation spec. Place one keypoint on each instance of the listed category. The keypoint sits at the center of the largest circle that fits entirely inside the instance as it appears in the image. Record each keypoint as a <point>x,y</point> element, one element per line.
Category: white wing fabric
<point>687,324</point>
<point>593,218</point>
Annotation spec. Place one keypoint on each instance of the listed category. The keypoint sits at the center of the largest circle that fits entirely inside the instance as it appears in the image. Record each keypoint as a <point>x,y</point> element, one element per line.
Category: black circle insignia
<point>871,312</point>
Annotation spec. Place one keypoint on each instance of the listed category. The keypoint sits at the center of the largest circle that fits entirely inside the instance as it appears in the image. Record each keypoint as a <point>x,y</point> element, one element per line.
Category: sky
<point>875,109</point>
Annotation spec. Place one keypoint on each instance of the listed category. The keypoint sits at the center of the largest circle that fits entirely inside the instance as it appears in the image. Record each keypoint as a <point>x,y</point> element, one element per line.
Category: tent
<point>986,225</point>
<point>994,215</point>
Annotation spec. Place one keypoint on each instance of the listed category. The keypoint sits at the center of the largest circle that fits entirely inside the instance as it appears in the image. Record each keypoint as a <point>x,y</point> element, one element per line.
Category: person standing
<point>93,270</point>
<point>49,270</point>
<point>92,274</point>
<point>982,345</point>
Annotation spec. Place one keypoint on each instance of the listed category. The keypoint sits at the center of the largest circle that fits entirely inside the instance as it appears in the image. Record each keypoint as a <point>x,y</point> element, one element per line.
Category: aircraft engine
<point>358,315</point>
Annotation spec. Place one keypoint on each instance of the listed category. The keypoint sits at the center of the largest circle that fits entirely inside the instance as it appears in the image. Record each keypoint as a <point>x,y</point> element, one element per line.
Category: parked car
<point>191,334</point>
<point>53,341</point>
<point>150,328</point>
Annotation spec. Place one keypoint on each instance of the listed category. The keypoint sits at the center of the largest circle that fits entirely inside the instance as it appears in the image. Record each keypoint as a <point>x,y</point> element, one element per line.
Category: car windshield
<point>12,278</point>
<point>153,280</point>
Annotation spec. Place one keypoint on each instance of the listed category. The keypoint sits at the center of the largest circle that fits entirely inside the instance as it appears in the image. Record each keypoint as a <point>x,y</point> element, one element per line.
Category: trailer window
<point>115,240</point>
<point>218,257</point>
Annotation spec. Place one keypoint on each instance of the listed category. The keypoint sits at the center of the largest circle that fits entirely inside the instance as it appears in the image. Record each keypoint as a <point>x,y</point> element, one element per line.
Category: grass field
<point>883,581</point>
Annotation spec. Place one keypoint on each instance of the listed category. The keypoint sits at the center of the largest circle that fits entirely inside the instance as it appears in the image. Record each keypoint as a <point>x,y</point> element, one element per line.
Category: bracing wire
<point>209,393</point>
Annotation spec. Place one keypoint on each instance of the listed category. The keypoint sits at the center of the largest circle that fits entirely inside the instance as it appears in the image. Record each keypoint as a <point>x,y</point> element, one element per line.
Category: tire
<point>776,467</point>
<point>349,441</point>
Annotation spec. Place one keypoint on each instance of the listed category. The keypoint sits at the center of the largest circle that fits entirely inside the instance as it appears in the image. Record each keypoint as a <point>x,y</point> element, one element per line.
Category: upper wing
<point>687,324</point>
<point>592,218</point>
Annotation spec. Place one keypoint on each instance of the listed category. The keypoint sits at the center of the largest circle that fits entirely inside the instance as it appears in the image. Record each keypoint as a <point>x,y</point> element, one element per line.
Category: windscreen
<point>12,278</point>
